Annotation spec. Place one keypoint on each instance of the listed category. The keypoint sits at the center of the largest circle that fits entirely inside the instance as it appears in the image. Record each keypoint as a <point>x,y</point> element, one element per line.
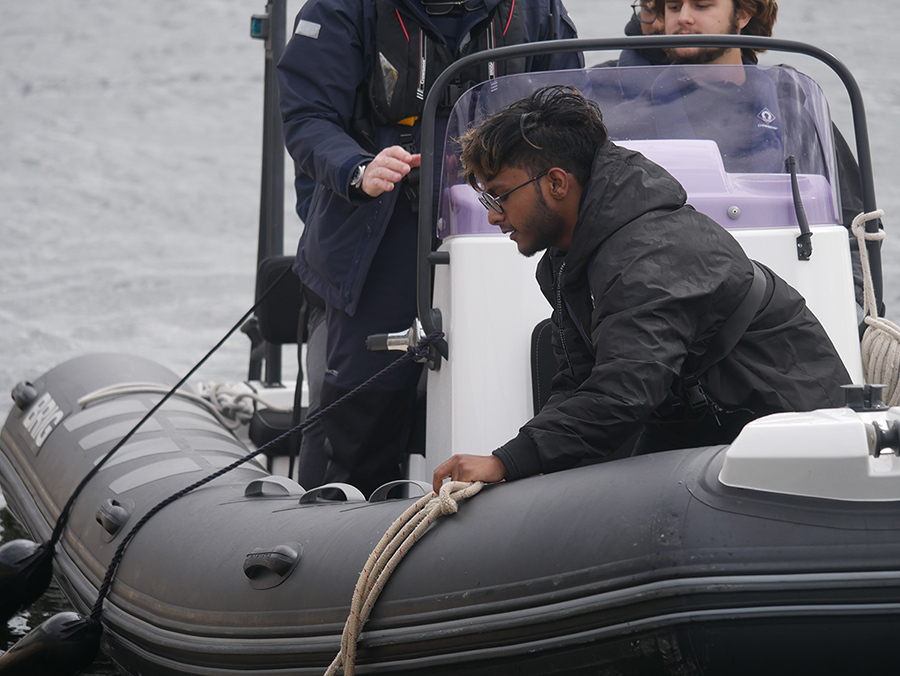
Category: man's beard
<point>704,54</point>
<point>545,226</point>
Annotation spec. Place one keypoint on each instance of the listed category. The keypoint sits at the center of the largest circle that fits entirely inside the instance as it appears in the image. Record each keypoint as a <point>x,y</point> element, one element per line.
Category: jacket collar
<point>468,21</point>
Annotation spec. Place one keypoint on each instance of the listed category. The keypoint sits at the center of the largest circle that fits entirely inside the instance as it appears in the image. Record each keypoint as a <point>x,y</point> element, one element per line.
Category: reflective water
<point>129,175</point>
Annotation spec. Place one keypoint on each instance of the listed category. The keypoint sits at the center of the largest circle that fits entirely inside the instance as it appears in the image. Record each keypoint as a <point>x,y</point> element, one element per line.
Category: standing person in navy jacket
<point>352,80</point>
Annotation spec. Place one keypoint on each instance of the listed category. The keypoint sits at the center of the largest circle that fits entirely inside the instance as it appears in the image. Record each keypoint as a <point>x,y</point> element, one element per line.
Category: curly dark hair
<point>554,127</point>
<point>762,20</point>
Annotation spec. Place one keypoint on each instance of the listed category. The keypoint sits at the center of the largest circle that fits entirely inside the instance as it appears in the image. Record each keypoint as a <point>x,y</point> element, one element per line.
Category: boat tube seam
<point>678,588</point>
<point>228,646</point>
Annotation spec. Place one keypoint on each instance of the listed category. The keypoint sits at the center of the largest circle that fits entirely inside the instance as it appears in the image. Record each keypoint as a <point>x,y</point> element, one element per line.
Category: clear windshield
<point>724,132</point>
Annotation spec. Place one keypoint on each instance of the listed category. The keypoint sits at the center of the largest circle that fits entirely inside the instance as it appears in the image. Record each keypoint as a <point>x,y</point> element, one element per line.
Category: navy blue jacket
<point>329,56</point>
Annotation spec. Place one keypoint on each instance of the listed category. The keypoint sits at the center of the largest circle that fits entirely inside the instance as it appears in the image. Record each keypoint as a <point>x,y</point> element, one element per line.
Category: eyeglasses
<point>491,202</point>
<point>441,8</point>
<point>643,12</point>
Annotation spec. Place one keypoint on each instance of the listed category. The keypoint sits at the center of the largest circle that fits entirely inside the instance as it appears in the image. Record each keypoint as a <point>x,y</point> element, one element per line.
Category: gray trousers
<point>312,458</point>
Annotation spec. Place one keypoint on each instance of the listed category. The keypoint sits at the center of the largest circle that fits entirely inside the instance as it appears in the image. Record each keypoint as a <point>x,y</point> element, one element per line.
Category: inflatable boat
<point>777,554</point>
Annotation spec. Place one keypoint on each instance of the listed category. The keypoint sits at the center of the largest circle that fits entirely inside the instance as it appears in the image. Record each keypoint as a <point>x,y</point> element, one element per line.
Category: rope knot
<point>420,350</point>
<point>858,226</point>
<point>448,504</point>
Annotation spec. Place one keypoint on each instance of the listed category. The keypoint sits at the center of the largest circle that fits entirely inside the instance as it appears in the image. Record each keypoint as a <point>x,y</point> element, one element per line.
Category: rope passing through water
<point>387,555</point>
<point>881,340</point>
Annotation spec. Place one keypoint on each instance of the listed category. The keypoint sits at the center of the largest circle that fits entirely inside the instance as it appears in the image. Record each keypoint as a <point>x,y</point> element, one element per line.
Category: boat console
<point>487,296</point>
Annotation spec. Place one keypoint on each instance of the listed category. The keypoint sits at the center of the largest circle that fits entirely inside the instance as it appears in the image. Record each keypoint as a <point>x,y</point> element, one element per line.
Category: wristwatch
<point>357,178</point>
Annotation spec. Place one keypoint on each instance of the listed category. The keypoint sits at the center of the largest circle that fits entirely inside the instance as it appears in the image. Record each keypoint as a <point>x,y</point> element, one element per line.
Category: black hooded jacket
<point>649,281</point>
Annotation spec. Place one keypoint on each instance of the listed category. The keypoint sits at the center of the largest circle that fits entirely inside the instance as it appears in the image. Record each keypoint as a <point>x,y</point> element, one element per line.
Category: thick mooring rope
<point>881,340</point>
<point>385,558</point>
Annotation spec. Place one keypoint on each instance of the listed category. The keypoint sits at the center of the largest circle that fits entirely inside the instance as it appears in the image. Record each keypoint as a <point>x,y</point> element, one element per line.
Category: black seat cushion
<point>543,364</point>
<point>280,312</point>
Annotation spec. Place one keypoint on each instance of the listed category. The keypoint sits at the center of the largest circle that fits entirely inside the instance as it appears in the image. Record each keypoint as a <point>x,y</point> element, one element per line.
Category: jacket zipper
<point>559,314</point>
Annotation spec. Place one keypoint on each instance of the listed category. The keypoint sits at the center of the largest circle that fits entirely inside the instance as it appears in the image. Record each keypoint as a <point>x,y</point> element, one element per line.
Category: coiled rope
<point>230,403</point>
<point>881,340</point>
<point>234,402</point>
<point>384,559</point>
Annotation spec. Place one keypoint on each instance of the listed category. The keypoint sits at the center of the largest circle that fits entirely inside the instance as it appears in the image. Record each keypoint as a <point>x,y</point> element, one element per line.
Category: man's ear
<point>560,183</point>
<point>743,18</point>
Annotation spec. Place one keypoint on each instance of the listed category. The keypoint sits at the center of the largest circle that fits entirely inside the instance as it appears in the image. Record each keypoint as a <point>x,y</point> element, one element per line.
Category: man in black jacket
<point>662,325</point>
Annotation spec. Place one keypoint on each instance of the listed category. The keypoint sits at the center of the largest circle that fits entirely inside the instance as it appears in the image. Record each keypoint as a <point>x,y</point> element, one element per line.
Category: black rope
<point>418,352</point>
<point>64,514</point>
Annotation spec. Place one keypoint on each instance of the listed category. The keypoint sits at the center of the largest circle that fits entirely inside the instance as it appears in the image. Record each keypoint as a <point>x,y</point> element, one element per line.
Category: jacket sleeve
<point>322,66</point>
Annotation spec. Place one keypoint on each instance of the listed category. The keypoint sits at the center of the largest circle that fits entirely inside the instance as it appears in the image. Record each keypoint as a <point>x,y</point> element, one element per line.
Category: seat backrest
<point>279,314</point>
<point>737,201</point>
<point>543,364</point>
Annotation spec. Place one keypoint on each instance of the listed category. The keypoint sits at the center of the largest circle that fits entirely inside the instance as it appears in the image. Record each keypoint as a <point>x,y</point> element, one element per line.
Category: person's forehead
<point>506,176</point>
<point>663,3</point>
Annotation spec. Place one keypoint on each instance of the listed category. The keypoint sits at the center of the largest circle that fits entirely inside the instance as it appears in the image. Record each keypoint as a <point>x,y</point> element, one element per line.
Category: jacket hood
<point>633,27</point>
<point>653,56</point>
<point>468,19</point>
<point>624,185</point>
